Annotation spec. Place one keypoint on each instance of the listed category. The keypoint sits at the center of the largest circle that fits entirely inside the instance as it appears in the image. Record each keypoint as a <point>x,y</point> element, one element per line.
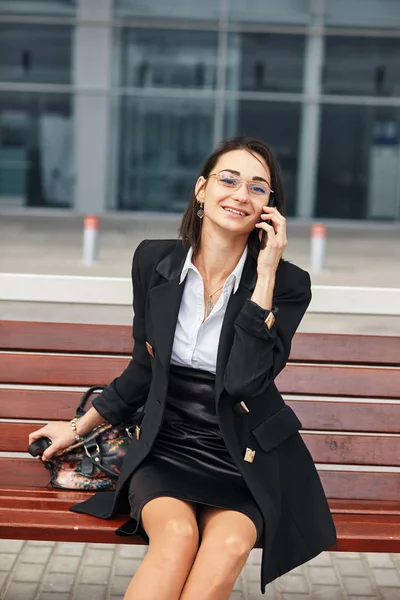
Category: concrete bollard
<point>318,246</point>
<point>90,239</point>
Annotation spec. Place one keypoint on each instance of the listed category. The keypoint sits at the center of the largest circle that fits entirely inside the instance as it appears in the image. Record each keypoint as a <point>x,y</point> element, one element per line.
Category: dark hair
<point>190,228</point>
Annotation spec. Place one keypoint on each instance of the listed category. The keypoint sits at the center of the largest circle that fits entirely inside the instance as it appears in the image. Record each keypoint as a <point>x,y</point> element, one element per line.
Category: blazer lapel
<point>236,302</point>
<point>165,299</point>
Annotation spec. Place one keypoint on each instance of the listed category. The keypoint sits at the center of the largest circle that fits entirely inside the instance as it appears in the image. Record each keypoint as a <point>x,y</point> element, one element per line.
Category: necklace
<point>209,301</point>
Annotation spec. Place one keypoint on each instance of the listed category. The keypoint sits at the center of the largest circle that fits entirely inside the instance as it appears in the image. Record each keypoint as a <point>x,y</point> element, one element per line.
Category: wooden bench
<point>344,388</point>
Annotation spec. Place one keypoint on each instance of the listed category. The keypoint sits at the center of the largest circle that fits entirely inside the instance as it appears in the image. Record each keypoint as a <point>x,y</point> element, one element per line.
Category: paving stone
<point>11,546</point>
<point>40,544</point>
<point>386,578</point>
<point>351,566</point>
<point>252,572</point>
<point>35,554</point>
<point>90,592</point>
<point>358,586</point>
<point>253,591</point>
<point>98,557</point>
<point>119,585</point>
<point>28,572</point>
<point>21,591</point>
<point>236,596</point>
<point>322,560</point>
<point>133,551</point>
<point>325,592</point>
<point>293,583</point>
<point>254,556</point>
<point>3,578</point>
<point>102,546</point>
<point>7,561</point>
<point>291,596</point>
<point>58,582</point>
<point>53,596</point>
<point>363,597</point>
<point>126,566</point>
<point>69,549</point>
<point>64,564</point>
<point>346,554</point>
<point>389,594</point>
<point>380,560</point>
<point>94,575</point>
<point>323,575</point>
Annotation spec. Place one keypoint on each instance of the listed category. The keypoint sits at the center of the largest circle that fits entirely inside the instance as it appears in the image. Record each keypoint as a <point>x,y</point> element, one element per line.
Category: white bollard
<point>318,246</point>
<point>90,239</point>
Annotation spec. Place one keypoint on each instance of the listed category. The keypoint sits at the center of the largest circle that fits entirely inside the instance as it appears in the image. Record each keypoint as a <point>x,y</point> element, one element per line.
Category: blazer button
<point>249,455</point>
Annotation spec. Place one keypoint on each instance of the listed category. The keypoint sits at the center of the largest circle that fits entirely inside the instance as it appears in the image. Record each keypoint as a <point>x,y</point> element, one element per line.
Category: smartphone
<point>264,235</point>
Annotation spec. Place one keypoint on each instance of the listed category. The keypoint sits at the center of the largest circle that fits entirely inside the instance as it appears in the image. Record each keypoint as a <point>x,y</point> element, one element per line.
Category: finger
<point>48,453</point>
<point>270,212</point>
<point>268,228</point>
<point>35,435</point>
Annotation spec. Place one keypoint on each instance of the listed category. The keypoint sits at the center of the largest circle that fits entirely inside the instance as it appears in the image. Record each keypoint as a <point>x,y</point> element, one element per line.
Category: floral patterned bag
<point>95,463</point>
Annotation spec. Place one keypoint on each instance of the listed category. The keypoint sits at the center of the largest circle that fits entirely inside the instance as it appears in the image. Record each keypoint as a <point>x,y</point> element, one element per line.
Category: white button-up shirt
<point>196,342</point>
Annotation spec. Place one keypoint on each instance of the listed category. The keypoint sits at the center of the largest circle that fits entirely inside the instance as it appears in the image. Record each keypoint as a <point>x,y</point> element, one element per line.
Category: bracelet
<point>77,437</point>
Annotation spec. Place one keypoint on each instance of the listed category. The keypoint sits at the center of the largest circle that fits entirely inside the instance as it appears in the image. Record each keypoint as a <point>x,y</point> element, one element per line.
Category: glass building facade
<point>113,105</point>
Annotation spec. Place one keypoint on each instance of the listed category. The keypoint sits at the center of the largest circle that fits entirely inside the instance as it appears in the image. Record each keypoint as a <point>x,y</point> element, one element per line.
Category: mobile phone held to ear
<point>264,235</point>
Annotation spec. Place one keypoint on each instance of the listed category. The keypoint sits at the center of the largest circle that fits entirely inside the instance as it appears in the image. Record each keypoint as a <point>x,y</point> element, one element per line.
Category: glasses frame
<point>241,181</point>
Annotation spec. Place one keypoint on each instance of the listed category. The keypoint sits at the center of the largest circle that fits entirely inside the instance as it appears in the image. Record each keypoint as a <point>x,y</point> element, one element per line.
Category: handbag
<point>94,463</point>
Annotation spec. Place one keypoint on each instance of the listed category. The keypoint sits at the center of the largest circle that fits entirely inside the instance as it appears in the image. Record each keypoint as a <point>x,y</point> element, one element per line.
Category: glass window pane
<point>168,58</point>
<point>35,53</point>
<point>265,62</point>
<point>290,12</point>
<point>372,66</point>
<point>363,13</point>
<point>36,164</point>
<point>162,146</point>
<point>38,7</point>
<point>168,9</point>
<point>359,162</point>
<point>276,124</point>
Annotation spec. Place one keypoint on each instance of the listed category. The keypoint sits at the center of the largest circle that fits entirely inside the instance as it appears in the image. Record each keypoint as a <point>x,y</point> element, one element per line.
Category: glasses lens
<point>258,189</point>
<point>228,180</point>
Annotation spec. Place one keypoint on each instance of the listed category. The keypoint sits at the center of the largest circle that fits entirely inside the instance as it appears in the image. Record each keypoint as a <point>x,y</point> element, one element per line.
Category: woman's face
<point>235,209</point>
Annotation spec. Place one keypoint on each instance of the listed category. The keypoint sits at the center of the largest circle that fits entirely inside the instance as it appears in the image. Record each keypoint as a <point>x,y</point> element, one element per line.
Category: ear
<point>200,188</point>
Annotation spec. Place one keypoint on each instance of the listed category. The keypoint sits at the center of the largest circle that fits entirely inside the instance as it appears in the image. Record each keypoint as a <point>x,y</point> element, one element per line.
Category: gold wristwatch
<point>270,320</point>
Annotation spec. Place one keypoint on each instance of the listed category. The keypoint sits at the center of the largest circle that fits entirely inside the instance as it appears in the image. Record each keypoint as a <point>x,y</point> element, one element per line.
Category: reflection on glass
<point>35,7</point>
<point>291,12</point>
<point>362,13</point>
<point>36,165</point>
<point>168,58</point>
<point>162,145</point>
<point>359,162</point>
<point>265,62</point>
<point>276,124</point>
<point>362,65</point>
<point>168,9</point>
<point>35,53</point>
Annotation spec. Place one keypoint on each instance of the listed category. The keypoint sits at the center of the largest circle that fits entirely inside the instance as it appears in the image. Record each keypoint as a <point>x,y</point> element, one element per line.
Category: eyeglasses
<point>257,189</point>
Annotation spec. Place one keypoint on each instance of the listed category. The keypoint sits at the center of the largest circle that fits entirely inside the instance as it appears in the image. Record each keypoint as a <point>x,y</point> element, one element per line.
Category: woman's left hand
<point>269,257</point>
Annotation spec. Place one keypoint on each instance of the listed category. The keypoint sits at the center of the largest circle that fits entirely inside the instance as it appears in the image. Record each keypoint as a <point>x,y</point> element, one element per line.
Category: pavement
<point>357,254</point>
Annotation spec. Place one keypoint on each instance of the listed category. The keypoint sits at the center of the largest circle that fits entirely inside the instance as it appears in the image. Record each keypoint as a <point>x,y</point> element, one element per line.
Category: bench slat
<point>117,339</point>
<point>65,337</point>
<point>325,448</point>
<point>321,415</point>
<point>295,379</point>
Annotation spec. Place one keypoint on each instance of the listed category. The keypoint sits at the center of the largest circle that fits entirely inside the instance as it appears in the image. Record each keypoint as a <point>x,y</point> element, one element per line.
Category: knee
<point>235,548</point>
<point>178,539</point>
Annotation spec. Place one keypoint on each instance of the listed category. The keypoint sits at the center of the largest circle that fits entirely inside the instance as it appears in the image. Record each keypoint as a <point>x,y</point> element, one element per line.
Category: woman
<point>218,462</point>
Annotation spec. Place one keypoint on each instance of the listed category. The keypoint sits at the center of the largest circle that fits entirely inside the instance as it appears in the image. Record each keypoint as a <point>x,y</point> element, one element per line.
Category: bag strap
<point>81,410</point>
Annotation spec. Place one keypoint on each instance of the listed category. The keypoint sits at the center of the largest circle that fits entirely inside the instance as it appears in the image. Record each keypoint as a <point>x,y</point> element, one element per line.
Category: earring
<point>200,212</point>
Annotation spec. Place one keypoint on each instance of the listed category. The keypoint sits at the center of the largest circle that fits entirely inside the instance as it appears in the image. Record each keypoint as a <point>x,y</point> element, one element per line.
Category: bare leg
<point>174,539</point>
<point>227,538</point>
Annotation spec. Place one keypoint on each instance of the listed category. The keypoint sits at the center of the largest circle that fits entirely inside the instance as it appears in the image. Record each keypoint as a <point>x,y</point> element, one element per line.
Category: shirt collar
<point>234,277</point>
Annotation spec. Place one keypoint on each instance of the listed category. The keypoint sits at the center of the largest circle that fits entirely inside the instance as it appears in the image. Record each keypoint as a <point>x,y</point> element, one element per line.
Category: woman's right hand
<point>60,433</point>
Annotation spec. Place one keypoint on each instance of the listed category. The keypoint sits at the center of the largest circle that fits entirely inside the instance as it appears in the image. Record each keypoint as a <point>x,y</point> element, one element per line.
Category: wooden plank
<point>19,472</point>
<point>318,380</point>
<point>361,485</point>
<point>346,349</point>
<point>346,416</point>
<point>43,369</point>
<point>367,533</point>
<point>65,337</point>
<point>49,405</point>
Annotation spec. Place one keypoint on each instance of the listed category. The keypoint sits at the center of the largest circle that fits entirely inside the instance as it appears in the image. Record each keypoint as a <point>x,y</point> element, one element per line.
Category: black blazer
<point>282,477</point>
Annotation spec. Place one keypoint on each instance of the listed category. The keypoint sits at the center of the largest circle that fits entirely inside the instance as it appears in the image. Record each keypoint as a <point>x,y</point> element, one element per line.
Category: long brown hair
<point>190,227</point>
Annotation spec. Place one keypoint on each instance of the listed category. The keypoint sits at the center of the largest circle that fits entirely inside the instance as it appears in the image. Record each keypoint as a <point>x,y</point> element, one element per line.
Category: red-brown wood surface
<point>38,404</point>
<point>65,337</point>
<point>325,448</point>
<point>347,416</point>
<point>117,339</point>
<point>295,379</point>
<point>46,369</point>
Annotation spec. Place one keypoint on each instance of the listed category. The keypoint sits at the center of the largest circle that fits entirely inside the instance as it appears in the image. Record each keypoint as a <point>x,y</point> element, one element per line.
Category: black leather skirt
<point>189,459</point>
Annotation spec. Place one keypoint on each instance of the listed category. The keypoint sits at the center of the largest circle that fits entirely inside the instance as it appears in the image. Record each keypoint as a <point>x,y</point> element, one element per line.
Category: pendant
<point>209,306</point>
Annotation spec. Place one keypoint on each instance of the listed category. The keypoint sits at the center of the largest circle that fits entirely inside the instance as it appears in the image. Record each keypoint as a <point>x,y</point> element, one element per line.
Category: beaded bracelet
<point>77,437</point>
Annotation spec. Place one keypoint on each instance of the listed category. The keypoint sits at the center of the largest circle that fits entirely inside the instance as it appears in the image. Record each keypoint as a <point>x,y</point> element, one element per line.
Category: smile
<point>236,212</point>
